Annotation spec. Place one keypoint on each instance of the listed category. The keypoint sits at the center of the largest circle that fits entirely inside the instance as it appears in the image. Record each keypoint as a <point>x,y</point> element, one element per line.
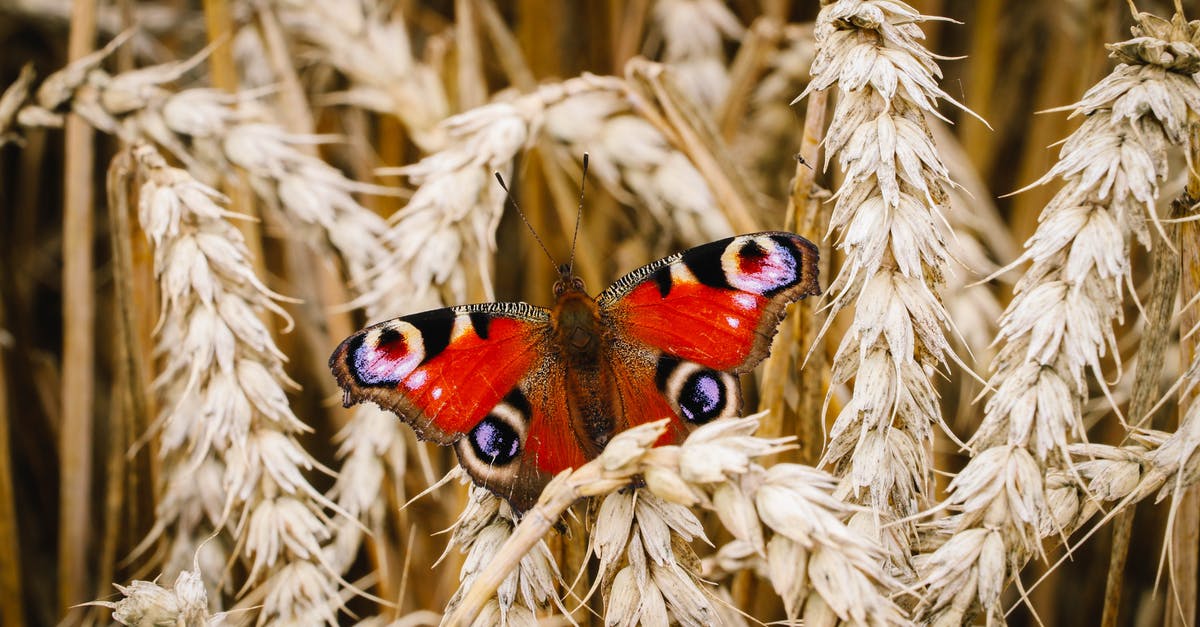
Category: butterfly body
<point>523,392</point>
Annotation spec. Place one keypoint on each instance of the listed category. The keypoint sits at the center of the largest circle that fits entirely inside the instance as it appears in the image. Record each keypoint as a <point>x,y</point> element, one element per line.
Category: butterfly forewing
<point>442,371</point>
<point>717,305</point>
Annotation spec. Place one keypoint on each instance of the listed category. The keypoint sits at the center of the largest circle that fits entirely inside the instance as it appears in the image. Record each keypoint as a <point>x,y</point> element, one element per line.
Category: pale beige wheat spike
<point>1059,325</point>
<point>638,534</point>
<point>694,34</point>
<point>888,217</point>
<point>148,603</point>
<point>208,130</point>
<point>370,44</point>
<point>632,158</point>
<point>483,527</point>
<point>648,571</point>
<point>225,413</point>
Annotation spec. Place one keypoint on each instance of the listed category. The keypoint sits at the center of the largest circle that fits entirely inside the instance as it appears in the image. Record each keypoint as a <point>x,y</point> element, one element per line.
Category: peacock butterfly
<point>523,392</point>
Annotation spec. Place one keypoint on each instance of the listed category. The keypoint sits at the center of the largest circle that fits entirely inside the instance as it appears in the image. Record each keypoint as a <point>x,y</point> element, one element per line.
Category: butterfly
<point>522,392</point>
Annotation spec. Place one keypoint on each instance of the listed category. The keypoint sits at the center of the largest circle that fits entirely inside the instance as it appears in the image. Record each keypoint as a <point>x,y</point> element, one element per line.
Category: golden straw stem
<point>1185,533</point>
<point>1151,353</point>
<point>78,367</point>
<point>798,331</point>
<point>472,88</point>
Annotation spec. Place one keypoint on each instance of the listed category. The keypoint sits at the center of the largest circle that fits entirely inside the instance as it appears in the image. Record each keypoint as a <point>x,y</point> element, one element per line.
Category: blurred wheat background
<point>987,418</point>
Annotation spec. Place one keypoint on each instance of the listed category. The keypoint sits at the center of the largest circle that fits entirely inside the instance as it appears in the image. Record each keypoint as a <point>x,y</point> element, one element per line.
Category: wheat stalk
<point>786,512</point>
<point>889,216</point>
<point>694,34</point>
<point>226,415</point>
<point>1059,325</point>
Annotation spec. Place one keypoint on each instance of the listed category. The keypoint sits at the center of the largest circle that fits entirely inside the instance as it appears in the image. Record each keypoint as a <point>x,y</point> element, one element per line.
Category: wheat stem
<point>78,361</point>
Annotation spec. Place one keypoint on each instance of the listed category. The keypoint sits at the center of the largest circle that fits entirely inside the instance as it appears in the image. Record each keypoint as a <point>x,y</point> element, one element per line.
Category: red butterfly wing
<point>442,371</point>
<point>717,305</point>
<point>480,377</point>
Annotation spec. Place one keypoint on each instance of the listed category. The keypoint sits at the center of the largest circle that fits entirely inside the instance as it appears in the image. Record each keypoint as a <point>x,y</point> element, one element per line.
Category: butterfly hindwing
<point>443,371</point>
<point>649,385</point>
<point>717,305</point>
<point>526,440</point>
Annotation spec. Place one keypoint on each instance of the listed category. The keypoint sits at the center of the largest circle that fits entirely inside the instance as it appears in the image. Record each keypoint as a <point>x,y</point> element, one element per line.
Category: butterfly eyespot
<point>495,442</point>
<point>702,397</point>
<point>760,264</point>
<point>386,355</point>
<point>697,393</point>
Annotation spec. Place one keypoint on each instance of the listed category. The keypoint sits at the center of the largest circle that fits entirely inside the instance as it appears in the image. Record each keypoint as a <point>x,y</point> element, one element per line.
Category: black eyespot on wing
<point>435,327</point>
<point>705,263</point>
<point>480,323</point>
<point>702,397</point>
<point>352,349</point>
<point>662,279</point>
<point>386,336</point>
<point>751,250</point>
<point>494,441</point>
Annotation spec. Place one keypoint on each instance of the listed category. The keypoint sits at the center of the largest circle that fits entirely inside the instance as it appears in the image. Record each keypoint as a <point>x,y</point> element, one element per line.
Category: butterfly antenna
<point>579,214</point>
<point>526,220</point>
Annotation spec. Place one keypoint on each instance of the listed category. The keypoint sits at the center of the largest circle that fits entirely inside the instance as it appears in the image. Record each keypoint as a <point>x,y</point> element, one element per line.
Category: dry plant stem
<point>125,399</point>
<point>12,598</point>
<point>747,67</point>
<point>1121,530</point>
<point>809,216</point>
<point>977,138</point>
<point>1185,533</point>
<point>628,19</point>
<point>1151,353</point>
<point>472,88</point>
<point>218,24</point>
<point>776,370</point>
<point>1059,83</point>
<point>78,366</point>
<point>297,116</point>
<point>535,524</point>
<point>508,51</point>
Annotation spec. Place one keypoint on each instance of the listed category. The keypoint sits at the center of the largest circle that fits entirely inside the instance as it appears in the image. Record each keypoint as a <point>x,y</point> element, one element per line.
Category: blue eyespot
<point>495,442</point>
<point>702,397</point>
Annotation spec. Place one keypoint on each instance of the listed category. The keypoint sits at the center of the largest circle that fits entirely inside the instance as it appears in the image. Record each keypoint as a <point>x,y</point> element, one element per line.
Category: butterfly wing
<point>525,440</point>
<point>718,305</point>
<point>442,371</point>
<point>479,377</point>
<point>687,324</point>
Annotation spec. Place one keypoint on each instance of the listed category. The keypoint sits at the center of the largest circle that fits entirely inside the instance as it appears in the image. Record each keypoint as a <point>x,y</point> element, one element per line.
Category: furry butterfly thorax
<point>522,392</point>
